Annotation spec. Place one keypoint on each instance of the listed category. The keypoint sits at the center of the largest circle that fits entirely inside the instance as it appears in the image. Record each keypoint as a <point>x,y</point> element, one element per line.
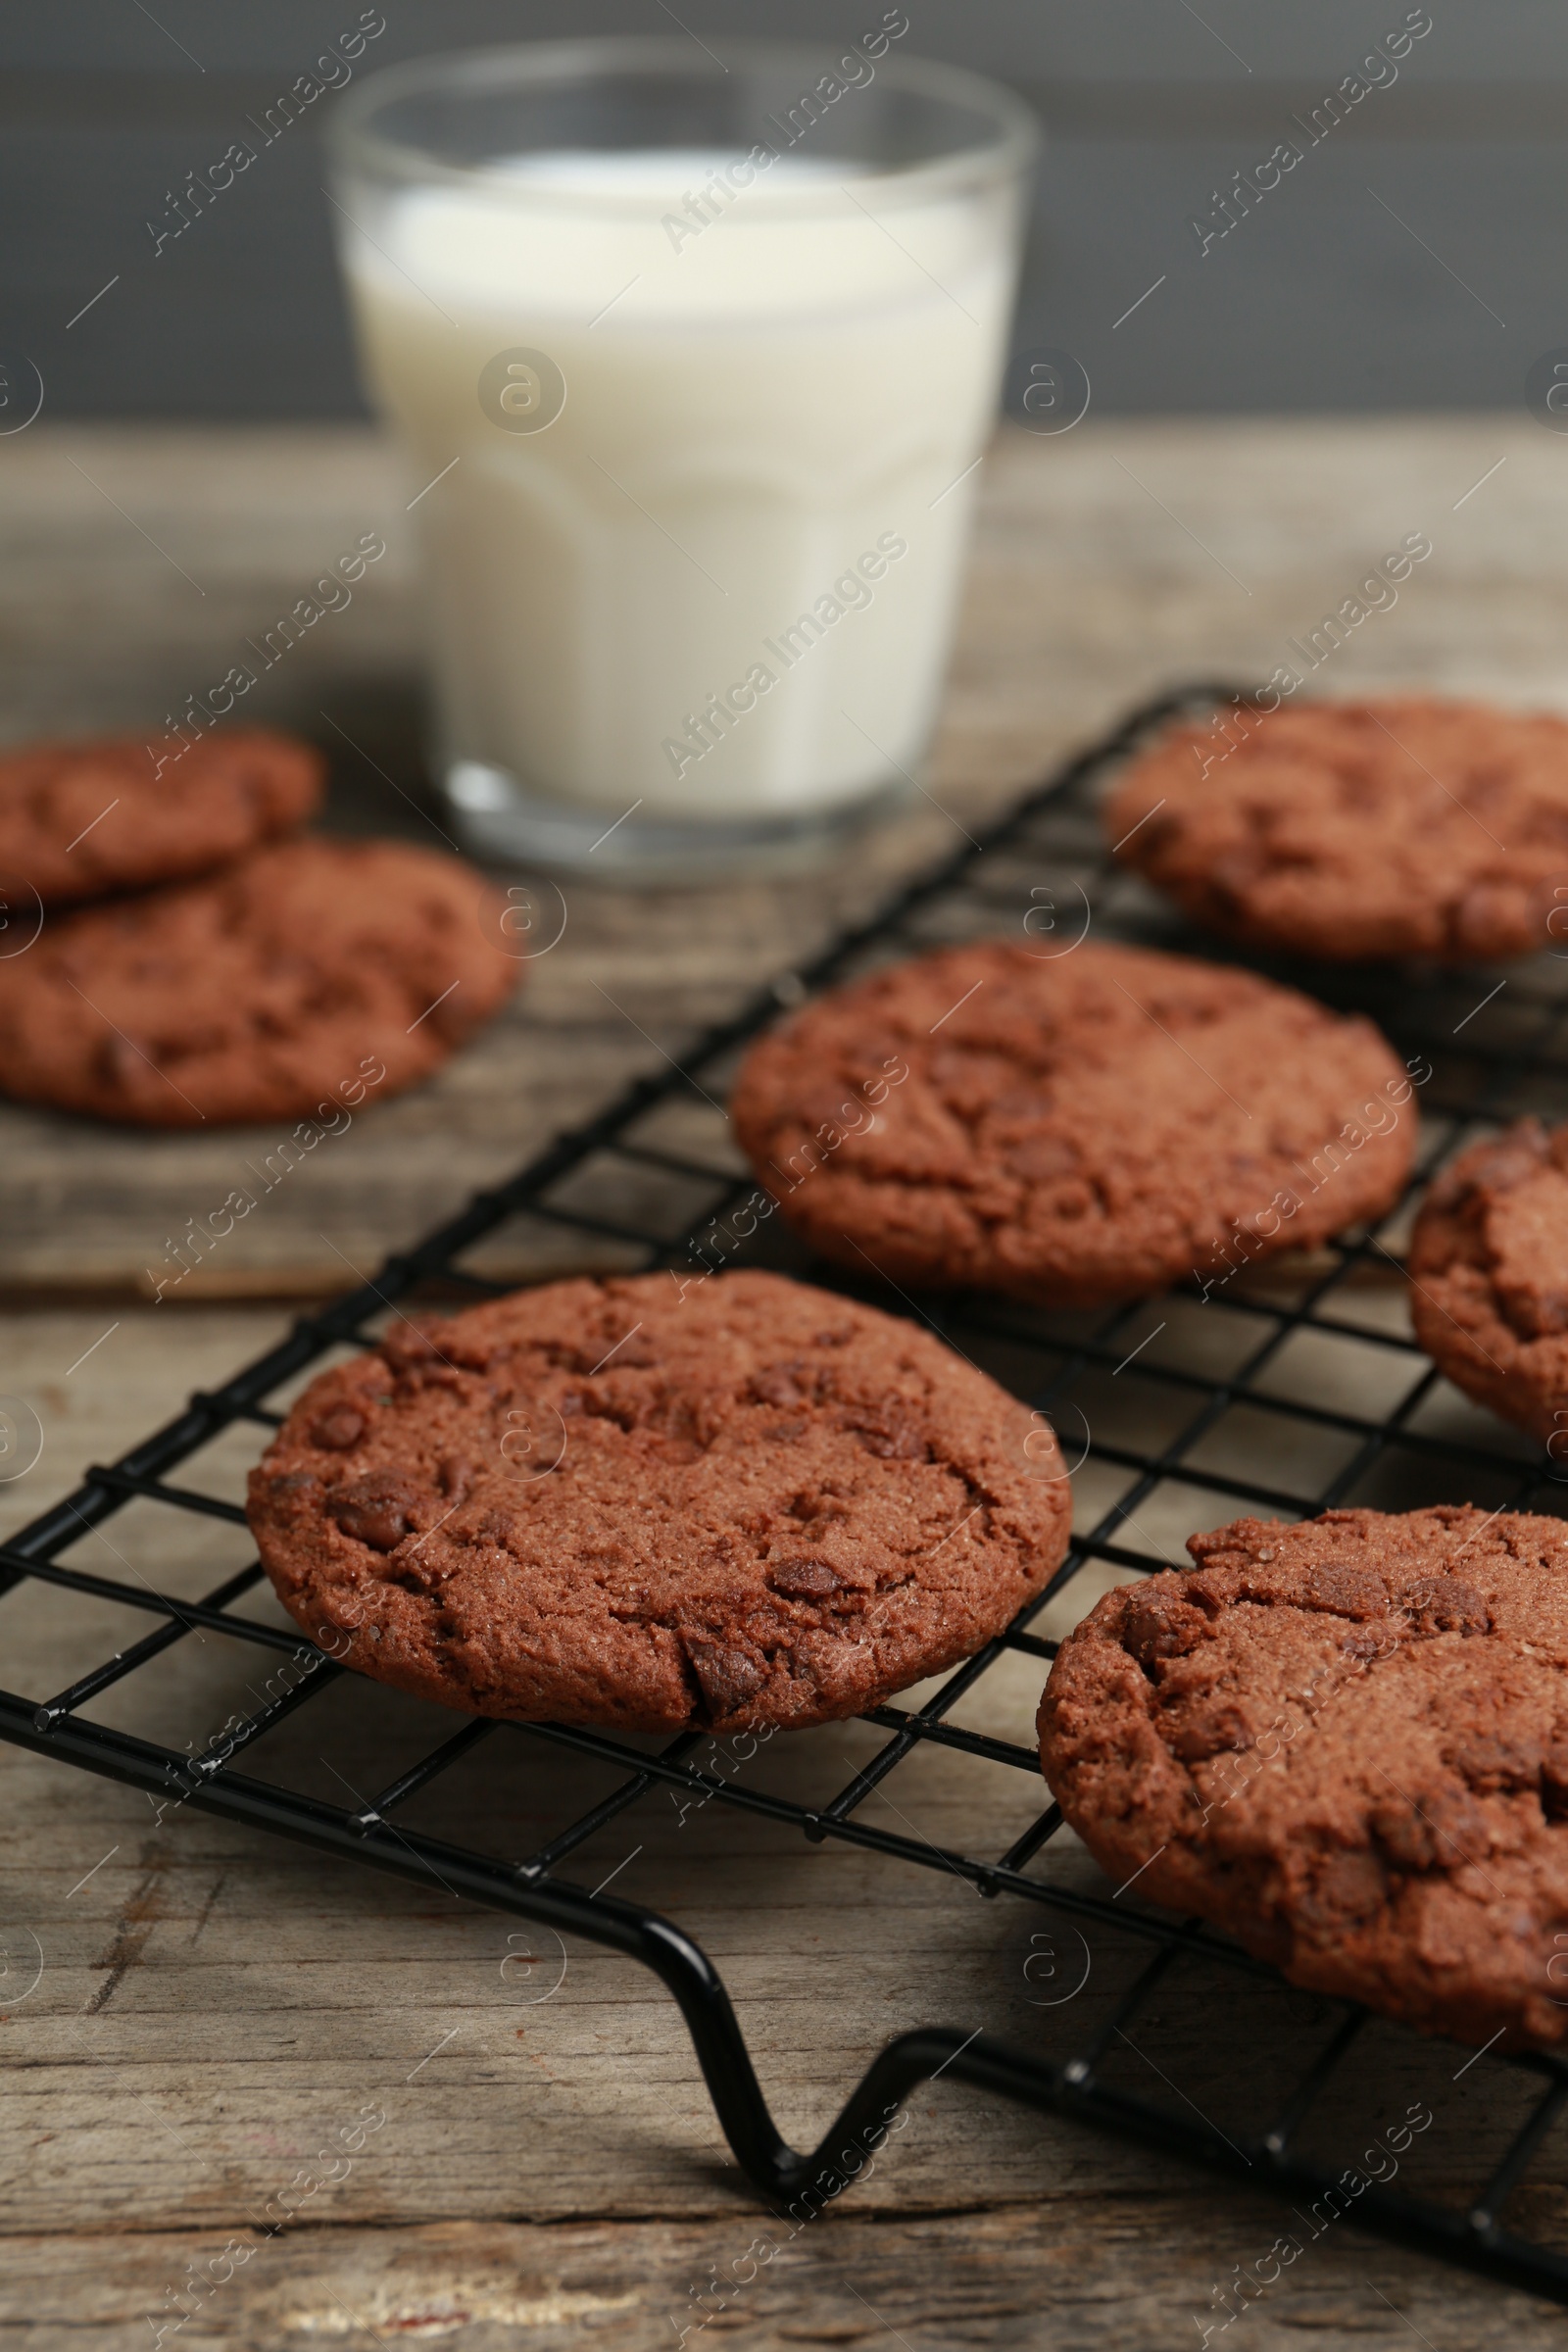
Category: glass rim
<point>355,145</point>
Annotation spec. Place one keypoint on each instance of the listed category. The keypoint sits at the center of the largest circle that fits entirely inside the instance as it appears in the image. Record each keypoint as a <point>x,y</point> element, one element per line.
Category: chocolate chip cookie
<point>658,1503</point>
<point>259,993</point>
<point>1406,827</point>
<point>80,821</point>
<point>1345,1743</point>
<point>1489,1275</point>
<point>1072,1129</point>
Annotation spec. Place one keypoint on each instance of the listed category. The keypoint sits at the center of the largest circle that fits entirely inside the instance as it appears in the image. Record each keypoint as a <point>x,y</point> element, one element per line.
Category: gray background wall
<point>1321,299</point>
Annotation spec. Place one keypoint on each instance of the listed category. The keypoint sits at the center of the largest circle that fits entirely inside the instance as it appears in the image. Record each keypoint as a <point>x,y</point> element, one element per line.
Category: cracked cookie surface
<point>80,819</point>
<point>309,972</point>
<point>1489,1278</point>
<point>1345,1741</point>
<point>1074,1129</point>
<point>1409,827</point>
<point>609,1502</point>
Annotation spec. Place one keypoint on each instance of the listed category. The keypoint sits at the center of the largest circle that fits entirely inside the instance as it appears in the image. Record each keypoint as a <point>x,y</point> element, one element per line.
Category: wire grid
<point>1042,869</point>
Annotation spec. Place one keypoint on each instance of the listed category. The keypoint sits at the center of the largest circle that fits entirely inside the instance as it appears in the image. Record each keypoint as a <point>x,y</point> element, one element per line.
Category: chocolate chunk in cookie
<point>1345,830</point>
<point>1344,1742</point>
<point>1489,1277</point>
<point>1073,1130</point>
<point>311,975</point>
<point>669,1546</point>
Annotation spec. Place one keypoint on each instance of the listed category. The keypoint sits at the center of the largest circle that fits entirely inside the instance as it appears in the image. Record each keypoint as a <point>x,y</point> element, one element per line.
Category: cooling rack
<point>1238,1427</point>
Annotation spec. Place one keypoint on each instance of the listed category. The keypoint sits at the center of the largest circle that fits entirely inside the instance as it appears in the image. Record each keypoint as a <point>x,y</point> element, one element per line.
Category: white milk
<point>757,489</point>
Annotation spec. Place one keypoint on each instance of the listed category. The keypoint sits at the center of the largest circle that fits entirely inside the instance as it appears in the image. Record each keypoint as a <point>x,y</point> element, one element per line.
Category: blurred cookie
<point>658,1505</point>
<point>1345,1743</point>
<point>259,992</point>
<point>1489,1275</point>
<point>1073,1130</point>
<point>1409,827</point>
<point>78,820</point>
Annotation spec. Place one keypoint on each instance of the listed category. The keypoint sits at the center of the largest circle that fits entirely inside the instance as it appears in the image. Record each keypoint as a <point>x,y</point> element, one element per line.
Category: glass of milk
<point>693,360</point>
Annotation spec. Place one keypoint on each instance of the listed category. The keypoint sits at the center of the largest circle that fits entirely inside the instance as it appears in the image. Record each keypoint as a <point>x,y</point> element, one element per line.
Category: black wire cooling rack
<point>1249,1413</point>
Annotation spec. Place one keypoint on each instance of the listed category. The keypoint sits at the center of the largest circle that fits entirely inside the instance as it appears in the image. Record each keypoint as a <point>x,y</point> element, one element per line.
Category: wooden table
<point>214,2006</point>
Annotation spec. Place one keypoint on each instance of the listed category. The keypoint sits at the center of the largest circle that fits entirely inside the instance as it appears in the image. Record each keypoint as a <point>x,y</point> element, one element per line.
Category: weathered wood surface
<point>1109,560</point>
<point>212,2009</point>
<point>1119,2272</point>
<point>195,2015</point>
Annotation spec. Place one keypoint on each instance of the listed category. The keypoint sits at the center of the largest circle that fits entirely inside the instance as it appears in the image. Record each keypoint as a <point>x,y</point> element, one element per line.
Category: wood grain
<point>1129,2273</point>
<point>1109,562</point>
<point>213,2008</point>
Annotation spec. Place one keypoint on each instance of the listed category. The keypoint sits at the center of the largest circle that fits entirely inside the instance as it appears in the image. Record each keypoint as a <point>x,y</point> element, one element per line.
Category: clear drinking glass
<point>695,361</point>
